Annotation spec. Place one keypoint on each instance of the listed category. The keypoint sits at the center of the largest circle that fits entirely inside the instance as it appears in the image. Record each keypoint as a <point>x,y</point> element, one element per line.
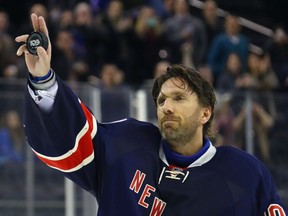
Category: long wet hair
<point>196,83</point>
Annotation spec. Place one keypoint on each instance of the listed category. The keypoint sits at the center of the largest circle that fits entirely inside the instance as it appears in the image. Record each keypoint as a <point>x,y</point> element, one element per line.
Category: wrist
<point>42,82</point>
<point>37,79</point>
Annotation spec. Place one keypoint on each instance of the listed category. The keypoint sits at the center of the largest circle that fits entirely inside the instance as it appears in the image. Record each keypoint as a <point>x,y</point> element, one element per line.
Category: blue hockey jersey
<point>124,166</point>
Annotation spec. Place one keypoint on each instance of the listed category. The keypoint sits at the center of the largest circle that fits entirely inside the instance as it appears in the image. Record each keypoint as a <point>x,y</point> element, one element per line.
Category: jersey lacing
<point>175,173</point>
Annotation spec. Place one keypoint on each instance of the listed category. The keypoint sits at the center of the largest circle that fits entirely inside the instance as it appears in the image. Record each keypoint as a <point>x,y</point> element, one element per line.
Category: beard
<point>178,134</point>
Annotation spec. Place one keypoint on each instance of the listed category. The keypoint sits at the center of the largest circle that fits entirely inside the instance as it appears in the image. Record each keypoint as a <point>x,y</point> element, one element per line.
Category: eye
<point>179,98</point>
<point>160,101</point>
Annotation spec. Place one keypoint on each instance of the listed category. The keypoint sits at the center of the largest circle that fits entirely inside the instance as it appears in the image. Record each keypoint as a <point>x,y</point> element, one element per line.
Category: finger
<point>42,26</point>
<point>21,49</point>
<point>43,57</point>
<point>35,23</point>
<point>41,52</point>
<point>22,38</point>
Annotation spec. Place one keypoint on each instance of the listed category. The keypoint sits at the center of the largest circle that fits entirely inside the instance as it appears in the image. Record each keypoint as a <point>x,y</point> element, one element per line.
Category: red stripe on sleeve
<point>83,151</point>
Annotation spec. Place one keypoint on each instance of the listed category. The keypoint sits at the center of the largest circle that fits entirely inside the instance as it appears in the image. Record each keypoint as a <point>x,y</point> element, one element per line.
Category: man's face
<point>180,116</point>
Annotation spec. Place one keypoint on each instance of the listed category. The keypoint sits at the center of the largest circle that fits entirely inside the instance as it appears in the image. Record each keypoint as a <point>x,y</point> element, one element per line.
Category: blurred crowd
<point>124,44</point>
<point>113,44</point>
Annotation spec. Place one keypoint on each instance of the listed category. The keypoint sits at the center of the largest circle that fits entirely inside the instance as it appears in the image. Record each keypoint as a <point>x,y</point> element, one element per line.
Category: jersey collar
<point>204,158</point>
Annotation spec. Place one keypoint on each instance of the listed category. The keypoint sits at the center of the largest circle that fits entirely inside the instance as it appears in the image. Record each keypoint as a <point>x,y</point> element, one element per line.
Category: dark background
<point>266,12</point>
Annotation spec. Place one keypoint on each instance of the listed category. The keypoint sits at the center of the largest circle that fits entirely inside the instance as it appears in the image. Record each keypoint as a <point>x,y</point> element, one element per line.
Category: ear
<point>207,112</point>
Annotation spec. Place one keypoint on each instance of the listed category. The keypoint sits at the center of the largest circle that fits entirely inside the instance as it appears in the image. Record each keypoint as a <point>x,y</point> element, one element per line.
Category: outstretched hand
<point>38,65</point>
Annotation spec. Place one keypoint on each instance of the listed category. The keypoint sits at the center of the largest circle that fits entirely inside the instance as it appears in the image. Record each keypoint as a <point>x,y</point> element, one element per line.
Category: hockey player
<point>134,168</point>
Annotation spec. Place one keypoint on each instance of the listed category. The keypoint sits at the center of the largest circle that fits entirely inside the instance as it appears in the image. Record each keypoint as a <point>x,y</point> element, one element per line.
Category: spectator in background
<point>66,20</point>
<point>88,33</point>
<point>64,53</point>
<point>206,73</point>
<point>118,25</point>
<point>214,25</point>
<point>145,43</point>
<point>182,29</point>
<point>255,80</point>
<point>264,114</point>
<point>187,54</point>
<point>167,9</point>
<point>223,122</point>
<point>7,48</point>
<point>259,81</point>
<point>79,72</point>
<point>82,28</point>
<point>71,65</point>
<point>12,139</point>
<point>111,76</point>
<point>260,73</point>
<point>277,48</point>
<point>115,94</point>
<point>40,10</point>
<point>231,41</point>
<point>159,68</point>
<point>227,80</point>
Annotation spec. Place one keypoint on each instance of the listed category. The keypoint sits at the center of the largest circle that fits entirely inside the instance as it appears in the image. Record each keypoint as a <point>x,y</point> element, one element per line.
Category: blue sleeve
<point>63,138</point>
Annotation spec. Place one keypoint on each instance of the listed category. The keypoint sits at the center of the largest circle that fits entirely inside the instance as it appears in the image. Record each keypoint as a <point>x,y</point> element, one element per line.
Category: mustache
<point>169,118</point>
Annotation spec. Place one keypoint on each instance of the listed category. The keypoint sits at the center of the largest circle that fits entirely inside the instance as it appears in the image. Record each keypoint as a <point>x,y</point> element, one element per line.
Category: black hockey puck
<point>35,40</point>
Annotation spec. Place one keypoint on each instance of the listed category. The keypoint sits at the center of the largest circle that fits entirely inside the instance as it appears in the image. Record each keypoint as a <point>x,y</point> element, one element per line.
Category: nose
<point>167,107</point>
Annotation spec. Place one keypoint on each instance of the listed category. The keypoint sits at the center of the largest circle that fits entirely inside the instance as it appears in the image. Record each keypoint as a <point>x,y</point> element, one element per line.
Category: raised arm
<point>59,128</point>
